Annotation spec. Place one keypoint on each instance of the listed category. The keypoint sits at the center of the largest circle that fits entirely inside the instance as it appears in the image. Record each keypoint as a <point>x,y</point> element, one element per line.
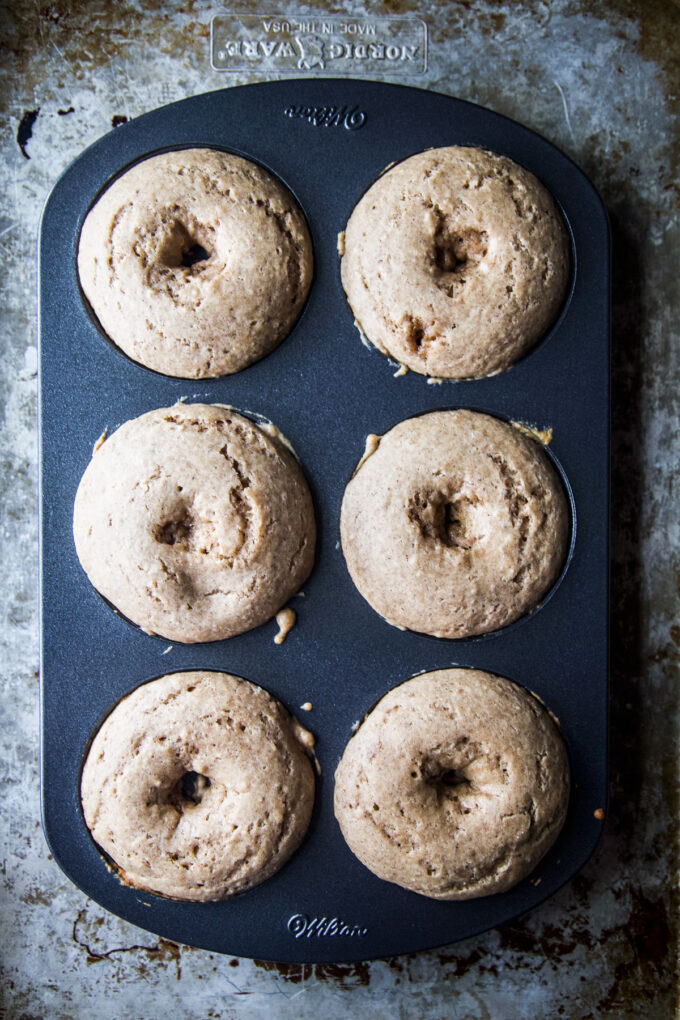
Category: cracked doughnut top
<point>195,262</point>
<point>197,786</point>
<point>455,262</point>
<point>194,522</point>
<point>454,786</point>
<point>456,524</point>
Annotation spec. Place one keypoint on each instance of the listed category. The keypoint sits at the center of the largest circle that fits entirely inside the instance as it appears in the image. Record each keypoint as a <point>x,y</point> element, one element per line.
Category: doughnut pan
<point>327,140</point>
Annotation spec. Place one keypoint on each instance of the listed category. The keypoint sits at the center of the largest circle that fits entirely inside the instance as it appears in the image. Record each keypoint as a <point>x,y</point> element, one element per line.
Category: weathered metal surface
<point>601,80</point>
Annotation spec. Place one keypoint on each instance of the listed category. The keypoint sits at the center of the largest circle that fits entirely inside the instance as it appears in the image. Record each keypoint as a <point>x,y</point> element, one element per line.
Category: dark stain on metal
<point>346,975</point>
<point>163,952</point>
<point>551,942</point>
<point>88,42</point>
<point>25,130</point>
<point>35,896</point>
<point>118,119</point>
<point>641,975</point>
<point>659,41</point>
<point>649,973</point>
<point>459,965</point>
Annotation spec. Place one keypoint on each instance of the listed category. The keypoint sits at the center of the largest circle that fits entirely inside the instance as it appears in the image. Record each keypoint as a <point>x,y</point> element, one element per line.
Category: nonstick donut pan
<point>325,390</point>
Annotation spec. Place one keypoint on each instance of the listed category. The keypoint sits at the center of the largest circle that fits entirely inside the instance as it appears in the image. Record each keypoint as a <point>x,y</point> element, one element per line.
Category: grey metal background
<point>598,78</point>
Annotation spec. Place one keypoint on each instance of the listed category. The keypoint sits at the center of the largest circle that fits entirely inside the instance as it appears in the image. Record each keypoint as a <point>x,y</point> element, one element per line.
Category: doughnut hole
<point>196,253</point>
<point>222,533</point>
<point>181,246</point>
<point>448,773</point>
<point>175,531</point>
<point>443,519</point>
<point>189,790</point>
<point>457,250</point>
<point>454,251</point>
<point>451,777</point>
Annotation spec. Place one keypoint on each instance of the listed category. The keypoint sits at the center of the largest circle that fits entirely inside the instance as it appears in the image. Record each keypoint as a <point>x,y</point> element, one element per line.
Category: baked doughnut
<point>455,525</point>
<point>455,262</point>
<point>454,786</point>
<point>194,522</point>
<point>197,786</point>
<point>196,262</point>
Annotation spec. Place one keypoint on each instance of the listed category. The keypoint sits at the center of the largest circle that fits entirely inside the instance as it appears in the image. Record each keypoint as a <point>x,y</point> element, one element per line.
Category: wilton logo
<point>329,116</point>
<point>300,924</point>
<point>341,45</point>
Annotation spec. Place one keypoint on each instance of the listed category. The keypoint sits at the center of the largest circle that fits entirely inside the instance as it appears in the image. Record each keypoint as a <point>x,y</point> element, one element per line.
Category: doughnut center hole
<point>175,532</point>
<point>452,777</point>
<point>181,249</point>
<point>438,775</point>
<point>455,250</point>
<point>192,786</point>
<point>441,519</point>
<point>196,253</point>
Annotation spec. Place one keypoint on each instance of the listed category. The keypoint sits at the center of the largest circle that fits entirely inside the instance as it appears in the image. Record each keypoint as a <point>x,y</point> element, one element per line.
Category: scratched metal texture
<point>600,80</point>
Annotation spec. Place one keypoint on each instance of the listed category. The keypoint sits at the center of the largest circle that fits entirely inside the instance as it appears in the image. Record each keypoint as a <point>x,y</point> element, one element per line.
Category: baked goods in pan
<point>456,524</point>
<point>454,786</point>
<point>196,262</point>
<point>456,261</point>
<point>198,786</point>
<point>194,522</point>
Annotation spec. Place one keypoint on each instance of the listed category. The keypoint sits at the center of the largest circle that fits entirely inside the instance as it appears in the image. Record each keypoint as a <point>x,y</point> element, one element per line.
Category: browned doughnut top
<point>456,262</point>
<point>194,522</point>
<point>455,785</point>
<point>196,262</point>
<point>198,786</point>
